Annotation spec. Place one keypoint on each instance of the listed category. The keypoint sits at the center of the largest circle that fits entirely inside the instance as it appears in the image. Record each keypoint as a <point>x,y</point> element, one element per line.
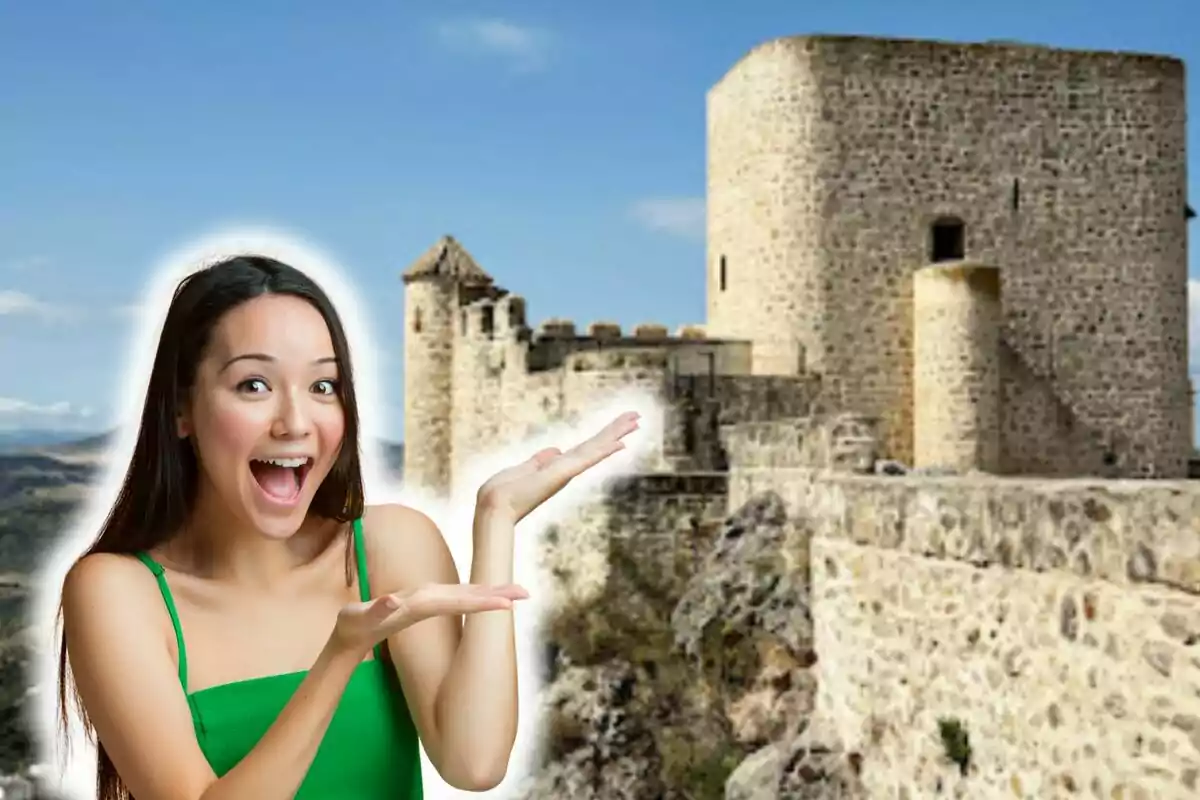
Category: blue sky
<point>562,142</point>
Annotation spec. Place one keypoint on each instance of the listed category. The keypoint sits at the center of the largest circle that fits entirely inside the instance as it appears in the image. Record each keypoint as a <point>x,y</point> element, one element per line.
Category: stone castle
<point>947,325</point>
<point>983,248</point>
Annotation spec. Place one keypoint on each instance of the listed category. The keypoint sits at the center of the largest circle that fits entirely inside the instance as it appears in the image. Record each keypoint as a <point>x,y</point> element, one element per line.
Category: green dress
<point>370,749</point>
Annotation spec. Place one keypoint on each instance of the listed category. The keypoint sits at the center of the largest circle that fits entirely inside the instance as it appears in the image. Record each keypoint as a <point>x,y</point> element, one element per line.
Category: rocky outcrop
<point>599,746</point>
<point>628,714</point>
<point>752,597</point>
<point>685,676</point>
<point>800,767</point>
<point>747,609</point>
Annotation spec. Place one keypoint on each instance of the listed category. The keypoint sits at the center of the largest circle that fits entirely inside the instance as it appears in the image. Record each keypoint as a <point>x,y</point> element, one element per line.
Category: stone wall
<point>498,400</point>
<point>508,386</point>
<point>837,442</point>
<point>699,407</point>
<point>669,520</point>
<point>1057,622</point>
<point>831,158</point>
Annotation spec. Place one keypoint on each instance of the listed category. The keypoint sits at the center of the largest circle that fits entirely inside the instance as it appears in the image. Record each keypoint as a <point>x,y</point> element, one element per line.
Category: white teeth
<point>291,463</point>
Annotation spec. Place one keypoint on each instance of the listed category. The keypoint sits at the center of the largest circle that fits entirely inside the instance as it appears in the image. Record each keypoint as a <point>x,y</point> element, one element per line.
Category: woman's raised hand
<point>518,490</point>
<point>512,493</point>
<point>361,626</point>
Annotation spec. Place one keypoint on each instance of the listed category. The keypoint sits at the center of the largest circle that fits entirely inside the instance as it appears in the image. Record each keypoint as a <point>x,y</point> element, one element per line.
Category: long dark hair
<point>160,484</point>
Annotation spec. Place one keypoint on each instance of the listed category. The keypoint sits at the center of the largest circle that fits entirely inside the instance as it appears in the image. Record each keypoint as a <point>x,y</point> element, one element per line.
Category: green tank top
<point>370,749</point>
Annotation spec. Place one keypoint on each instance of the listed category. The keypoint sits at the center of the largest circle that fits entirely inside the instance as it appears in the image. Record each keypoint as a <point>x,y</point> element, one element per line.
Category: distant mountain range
<point>27,439</point>
<point>73,443</point>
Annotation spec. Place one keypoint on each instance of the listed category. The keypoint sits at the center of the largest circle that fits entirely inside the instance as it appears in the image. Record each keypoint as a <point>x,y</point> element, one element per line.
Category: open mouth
<point>281,479</point>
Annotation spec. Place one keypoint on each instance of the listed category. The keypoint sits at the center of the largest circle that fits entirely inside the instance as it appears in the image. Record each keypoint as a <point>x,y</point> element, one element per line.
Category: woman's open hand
<point>361,626</point>
<point>518,490</point>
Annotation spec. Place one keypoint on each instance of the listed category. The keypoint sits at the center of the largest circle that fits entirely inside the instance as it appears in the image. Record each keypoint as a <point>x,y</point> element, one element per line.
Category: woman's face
<point>264,414</point>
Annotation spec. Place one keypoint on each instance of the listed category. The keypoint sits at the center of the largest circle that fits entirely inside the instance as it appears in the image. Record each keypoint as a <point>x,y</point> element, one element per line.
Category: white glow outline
<point>77,763</point>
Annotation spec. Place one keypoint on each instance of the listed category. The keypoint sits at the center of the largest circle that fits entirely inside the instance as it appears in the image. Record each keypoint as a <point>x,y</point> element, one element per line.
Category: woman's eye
<point>326,387</point>
<point>255,385</point>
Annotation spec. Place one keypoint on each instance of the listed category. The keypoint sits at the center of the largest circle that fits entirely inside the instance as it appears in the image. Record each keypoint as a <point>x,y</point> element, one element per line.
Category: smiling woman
<point>241,521</point>
<point>244,486</point>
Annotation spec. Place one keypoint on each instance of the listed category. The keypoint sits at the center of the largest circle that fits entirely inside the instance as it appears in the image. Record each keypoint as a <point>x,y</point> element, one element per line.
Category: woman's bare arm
<point>460,681</point>
<point>128,682</point>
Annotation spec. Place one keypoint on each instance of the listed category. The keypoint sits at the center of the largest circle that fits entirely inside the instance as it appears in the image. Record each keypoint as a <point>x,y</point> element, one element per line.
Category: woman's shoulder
<point>108,577</point>
<point>107,589</point>
<point>392,519</point>
<point>404,542</point>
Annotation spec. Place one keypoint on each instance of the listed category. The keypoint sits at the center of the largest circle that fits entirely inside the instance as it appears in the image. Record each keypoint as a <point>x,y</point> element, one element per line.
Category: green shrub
<point>955,742</point>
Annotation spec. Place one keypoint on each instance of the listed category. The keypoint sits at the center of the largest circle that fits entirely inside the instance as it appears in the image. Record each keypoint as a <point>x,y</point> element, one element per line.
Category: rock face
<point>749,607</point>
<point>677,661</point>
<point>744,621</point>
<point>629,715</point>
<point>602,745</point>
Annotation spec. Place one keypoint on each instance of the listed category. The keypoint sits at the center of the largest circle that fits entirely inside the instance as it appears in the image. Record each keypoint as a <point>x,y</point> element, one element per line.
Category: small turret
<point>435,286</point>
<point>447,260</point>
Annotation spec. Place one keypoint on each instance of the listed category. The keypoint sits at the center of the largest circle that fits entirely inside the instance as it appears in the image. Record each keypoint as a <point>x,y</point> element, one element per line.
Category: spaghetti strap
<point>364,586</point>
<point>169,600</point>
<point>360,555</point>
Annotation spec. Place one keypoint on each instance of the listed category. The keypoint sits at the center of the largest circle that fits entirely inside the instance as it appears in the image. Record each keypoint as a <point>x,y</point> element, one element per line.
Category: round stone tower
<point>956,367</point>
<point>766,282</point>
<point>435,286</point>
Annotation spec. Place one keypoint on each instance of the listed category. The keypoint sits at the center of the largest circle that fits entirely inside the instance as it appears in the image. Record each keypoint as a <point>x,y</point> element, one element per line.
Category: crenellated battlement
<point>650,332</point>
<point>556,328</point>
<point>493,317</point>
<point>652,349</point>
<point>510,315</point>
<point>617,358</point>
<point>646,332</point>
<point>477,320</point>
<point>604,330</point>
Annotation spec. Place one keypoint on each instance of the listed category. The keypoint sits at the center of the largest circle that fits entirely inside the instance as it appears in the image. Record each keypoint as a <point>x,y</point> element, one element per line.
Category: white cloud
<point>678,216</point>
<point>13,406</point>
<point>526,48</point>
<point>23,415</point>
<point>14,303</point>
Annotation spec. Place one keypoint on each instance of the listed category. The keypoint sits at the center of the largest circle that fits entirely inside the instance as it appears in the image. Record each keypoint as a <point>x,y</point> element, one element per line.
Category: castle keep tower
<point>435,286</point>
<point>839,166</point>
